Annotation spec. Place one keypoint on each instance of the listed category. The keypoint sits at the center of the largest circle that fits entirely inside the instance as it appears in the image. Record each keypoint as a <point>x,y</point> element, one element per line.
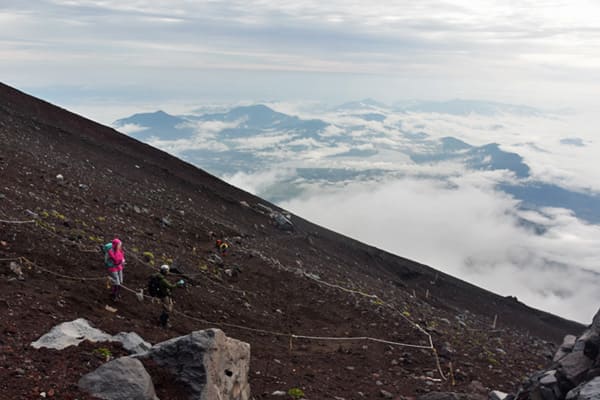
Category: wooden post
<point>451,374</point>
<point>495,321</point>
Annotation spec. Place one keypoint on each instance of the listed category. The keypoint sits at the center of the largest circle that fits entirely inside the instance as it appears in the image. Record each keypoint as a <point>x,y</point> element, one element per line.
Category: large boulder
<point>576,366</point>
<point>74,332</point>
<point>207,363</point>
<point>586,391</point>
<point>122,379</point>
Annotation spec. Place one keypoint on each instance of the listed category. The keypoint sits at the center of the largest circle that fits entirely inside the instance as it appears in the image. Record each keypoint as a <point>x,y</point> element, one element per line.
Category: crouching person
<point>159,287</point>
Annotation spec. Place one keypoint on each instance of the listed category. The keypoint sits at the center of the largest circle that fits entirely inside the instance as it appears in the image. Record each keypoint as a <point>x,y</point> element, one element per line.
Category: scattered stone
<point>244,204</point>
<point>17,270</point>
<point>549,378</point>
<point>385,394</point>
<point>566,347</point>
<point>278,393</point>
<point>166,222</point>
<point>208,363</point>
<point>497,395</point>
<point>60,178</point>
<point>282,222</point>
<point>32,214</point>
<point>122,379</point>
<point>477,387</point>
<point>2,196</point>
<point>451,396</point>
<point>215,259</point>
<point>264,209</point>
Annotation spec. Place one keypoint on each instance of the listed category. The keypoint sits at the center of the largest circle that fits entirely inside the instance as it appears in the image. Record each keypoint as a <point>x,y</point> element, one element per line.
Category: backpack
<point>155,289</point>
<point>107,260</point>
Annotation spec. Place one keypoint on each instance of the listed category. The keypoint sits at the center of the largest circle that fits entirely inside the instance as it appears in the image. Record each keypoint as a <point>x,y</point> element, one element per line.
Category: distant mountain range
<point>256,137</point>
<point>454,107</point>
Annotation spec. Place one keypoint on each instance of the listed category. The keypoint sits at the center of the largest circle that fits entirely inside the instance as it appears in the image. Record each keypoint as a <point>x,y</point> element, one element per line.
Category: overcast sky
<point>112,52</point>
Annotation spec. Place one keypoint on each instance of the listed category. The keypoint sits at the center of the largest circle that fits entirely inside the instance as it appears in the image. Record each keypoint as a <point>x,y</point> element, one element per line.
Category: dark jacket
<point>165,286</point>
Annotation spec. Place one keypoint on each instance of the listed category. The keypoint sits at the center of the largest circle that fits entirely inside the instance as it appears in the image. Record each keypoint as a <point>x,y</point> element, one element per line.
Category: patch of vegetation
<point>296,393</point>
<point>76,234</point>
<point>96,239</point>
<point>166,260</point>
<point>57,215</point>
<point>45,225</point>
<point>377,302</point>
<point>148,257</point>
<point>104,353</point>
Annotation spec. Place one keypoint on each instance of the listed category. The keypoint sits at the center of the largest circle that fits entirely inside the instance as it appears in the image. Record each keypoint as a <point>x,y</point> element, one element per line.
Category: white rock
<point>497,395</point>
<point>74,332</point>
<point>71,334</point>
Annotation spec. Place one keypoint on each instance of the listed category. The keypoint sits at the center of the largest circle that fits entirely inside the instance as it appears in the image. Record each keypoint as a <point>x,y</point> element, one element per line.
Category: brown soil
<point>114,185</point>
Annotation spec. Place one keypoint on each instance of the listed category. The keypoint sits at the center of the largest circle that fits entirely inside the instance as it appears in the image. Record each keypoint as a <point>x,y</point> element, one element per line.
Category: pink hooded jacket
<point>116,256</point>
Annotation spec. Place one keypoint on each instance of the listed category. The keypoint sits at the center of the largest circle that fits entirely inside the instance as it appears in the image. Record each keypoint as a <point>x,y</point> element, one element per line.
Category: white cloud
<point>128,129</point>
<point>260,181</point>
<point>204,138</point>
<point>472,233</point>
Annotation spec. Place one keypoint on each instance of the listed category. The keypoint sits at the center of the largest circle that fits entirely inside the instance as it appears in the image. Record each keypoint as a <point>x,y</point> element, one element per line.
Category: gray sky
<point>544,53</point>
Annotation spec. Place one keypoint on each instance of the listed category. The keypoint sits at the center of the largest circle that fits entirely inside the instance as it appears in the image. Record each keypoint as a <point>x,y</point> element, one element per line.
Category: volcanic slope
<point>165,210</point>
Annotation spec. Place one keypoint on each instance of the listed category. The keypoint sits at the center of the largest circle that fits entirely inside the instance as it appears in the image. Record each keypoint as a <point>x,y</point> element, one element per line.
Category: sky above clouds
<point>75,52</point>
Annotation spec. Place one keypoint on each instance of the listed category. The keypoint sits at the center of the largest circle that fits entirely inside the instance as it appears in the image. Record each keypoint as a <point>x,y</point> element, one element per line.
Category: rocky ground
<point>165,210</point>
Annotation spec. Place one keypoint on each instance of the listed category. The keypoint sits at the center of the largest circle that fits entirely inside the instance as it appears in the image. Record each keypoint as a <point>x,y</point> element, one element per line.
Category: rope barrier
<point>74,278</point>
<point>371,296</point>
<point>17,222</point>
<point>290,335</point>
<point>306,337</point>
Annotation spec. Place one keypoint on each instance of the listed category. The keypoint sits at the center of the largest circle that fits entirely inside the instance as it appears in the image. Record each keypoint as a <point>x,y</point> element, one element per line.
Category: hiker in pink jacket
<point>116,258</point>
